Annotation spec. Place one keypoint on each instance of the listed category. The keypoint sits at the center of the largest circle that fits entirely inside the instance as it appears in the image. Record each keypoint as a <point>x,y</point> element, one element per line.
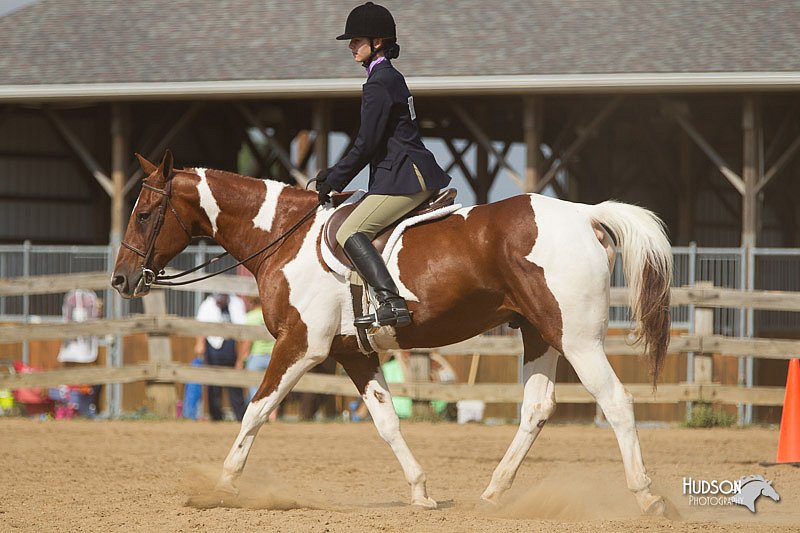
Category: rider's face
<point>359,46</point>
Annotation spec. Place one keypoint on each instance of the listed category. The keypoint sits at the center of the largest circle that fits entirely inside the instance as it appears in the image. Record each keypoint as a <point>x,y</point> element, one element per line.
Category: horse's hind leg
<point>538,404</point>
<point>366,374</point>
<point>595,372</point>
<point>283,373</point>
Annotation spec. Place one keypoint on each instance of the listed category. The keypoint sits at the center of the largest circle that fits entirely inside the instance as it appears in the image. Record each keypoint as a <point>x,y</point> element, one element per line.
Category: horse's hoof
<point>425,503</point>
<point>488,505</point>
<point>656,507</point>
<point>226,489</point>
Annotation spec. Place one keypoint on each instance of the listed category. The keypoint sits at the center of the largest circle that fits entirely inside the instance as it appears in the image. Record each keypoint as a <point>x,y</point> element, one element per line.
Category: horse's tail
<point>647,264</point>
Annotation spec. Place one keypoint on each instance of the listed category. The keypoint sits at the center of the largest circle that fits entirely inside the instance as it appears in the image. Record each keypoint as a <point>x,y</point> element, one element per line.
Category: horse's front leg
<point>366,374</point>
<point>291,358</point>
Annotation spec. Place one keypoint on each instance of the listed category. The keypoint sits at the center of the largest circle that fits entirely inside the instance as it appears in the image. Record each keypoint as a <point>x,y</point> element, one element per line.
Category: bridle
<point>149,276</point>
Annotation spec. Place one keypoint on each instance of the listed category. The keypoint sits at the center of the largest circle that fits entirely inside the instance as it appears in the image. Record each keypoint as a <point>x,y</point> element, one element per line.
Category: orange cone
<point>789,440</point>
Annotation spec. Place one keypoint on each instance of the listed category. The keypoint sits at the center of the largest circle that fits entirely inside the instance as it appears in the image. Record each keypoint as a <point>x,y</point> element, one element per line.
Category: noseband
<point>148,274</point>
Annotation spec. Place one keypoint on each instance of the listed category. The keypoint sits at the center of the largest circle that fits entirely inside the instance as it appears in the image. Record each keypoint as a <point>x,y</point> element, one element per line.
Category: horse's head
<point>155,234</point>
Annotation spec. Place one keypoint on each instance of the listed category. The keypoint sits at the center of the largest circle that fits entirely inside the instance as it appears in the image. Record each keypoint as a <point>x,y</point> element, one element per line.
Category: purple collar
<point>374,62</point>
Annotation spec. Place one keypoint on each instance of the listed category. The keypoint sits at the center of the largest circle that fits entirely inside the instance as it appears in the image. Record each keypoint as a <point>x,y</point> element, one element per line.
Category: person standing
<point>254,355</point>
<point>217,351</point>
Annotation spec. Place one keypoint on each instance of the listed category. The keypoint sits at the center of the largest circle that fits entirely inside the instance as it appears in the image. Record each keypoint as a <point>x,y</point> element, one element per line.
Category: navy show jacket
<point>389,140</point>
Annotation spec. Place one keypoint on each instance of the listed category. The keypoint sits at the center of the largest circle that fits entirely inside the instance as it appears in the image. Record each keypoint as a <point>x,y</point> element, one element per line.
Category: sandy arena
<point>157,476</point>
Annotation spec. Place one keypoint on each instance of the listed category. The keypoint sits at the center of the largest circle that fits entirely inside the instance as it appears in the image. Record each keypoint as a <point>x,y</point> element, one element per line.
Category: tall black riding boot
<point>392,310</point>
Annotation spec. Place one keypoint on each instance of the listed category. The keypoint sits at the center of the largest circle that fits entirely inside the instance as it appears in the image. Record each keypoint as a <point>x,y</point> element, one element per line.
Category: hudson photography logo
<point>723,492</point>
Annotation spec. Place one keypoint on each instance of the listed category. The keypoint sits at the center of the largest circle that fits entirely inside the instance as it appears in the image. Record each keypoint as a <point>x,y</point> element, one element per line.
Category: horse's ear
<point>166,165</point>
<point>147,167</point>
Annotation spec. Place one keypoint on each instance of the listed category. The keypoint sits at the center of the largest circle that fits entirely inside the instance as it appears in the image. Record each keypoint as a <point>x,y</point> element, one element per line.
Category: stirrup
<point>386,315</point>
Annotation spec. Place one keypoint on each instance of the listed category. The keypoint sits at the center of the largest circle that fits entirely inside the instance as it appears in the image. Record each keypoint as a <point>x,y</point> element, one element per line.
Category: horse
<point>751,488</point>
<point>538,263</point>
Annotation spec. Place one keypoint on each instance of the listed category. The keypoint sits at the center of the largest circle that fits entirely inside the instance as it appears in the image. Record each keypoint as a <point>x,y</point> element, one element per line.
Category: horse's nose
<point>120,282</point>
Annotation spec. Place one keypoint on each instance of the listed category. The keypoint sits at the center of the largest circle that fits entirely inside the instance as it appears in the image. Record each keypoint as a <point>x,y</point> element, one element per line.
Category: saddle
<point>444,199</point>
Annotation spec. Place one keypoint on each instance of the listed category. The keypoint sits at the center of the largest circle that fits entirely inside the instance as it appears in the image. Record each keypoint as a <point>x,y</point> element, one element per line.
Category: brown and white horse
<point>535,261</point>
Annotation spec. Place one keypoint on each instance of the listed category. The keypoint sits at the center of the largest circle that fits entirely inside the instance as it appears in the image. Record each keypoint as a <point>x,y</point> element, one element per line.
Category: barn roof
<point>150,48</point>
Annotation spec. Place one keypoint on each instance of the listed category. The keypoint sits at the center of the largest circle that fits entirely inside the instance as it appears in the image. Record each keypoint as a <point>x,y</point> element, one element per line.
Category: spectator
<point>254,355</point>
<point>217,351</point>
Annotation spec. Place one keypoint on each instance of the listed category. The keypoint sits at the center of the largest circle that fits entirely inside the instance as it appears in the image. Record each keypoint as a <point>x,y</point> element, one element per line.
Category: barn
<point>689,109</point>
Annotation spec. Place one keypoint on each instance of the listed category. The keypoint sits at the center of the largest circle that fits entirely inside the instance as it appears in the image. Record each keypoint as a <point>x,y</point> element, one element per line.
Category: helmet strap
<point>373,52</point>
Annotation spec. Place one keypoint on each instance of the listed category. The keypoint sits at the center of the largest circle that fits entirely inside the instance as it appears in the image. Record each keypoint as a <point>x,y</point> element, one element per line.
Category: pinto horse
<point>539,263</point>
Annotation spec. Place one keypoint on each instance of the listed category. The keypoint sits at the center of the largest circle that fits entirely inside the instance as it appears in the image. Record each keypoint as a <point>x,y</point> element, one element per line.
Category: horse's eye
<point>142,217</point>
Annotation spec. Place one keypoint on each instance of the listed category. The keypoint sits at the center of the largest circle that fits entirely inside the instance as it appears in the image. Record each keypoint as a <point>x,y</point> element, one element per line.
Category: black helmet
<point>369,20</point>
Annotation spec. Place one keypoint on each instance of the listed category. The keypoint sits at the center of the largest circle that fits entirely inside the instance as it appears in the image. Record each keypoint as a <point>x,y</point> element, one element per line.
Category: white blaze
<point>207,200</point>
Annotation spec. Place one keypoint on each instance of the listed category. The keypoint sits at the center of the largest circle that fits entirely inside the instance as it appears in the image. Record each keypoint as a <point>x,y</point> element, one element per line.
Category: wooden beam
<point>485,142</point>
<point>261,160</point>
<point>583,137</point>
<point>750,171</point>
<point>305,147</point>
<point>77,376</point>
<point>532,120</point>
<point>321,122</point>
<point>80,150</point>
<point>712,154</point>
<point>276,147</point>
<point>161,397</point>
<point>782,161</point>
<point>497,166</point>
<point>119,155</point>
<point>458,159</point>
<point>165,141</point>
<point>340,385</point>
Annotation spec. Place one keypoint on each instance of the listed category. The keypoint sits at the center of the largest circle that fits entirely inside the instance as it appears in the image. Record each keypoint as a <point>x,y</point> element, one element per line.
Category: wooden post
<point>420,370</point>
<point>749,173</point>
<point>119,149</point>
<point>532,120</point>
<point>160,397</point>
<point>322,126</point>
<point>703,326</point>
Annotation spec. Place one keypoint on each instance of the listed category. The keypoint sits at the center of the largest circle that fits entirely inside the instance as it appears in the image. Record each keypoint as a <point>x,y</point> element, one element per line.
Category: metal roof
<point>99,49</point>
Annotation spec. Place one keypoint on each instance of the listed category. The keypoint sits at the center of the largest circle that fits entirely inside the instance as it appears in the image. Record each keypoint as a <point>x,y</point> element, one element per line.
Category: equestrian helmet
<point>369,20</point>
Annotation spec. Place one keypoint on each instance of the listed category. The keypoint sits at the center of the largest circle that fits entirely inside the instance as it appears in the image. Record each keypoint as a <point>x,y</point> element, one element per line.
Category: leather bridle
<point>148,274</point>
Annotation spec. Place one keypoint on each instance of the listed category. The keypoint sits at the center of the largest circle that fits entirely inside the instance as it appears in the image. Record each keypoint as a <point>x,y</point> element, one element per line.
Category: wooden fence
<point>159,371</point>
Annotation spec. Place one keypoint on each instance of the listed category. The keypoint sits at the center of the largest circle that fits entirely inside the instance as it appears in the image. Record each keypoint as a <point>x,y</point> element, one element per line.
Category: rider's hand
<point>323,187</point>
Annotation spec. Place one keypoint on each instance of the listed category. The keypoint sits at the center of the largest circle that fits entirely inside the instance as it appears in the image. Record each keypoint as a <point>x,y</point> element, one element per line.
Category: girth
<point>443,199</point>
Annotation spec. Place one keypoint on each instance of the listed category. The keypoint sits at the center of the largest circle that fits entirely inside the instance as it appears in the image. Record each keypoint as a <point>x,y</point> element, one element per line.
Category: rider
<point>402,172</point>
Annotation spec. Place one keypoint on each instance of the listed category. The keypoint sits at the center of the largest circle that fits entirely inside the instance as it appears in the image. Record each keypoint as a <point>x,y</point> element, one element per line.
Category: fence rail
<point>339,385</point>
<point>160,325</point>
<point>716,297</point>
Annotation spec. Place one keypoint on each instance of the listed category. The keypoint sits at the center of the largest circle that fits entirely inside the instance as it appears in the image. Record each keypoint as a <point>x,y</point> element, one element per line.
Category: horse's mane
<point>748,479</point>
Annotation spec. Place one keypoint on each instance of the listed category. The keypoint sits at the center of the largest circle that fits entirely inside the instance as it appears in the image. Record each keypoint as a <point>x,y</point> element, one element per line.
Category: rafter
<point>162,145</point>
<point>718,160</point>
<point>485,142</point>
<point>273,143</point>
<point>583,137</point>
<point>80,150</point>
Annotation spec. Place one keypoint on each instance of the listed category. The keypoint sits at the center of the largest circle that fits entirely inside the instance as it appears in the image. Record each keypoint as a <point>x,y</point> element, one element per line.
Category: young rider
<point>402,172</point>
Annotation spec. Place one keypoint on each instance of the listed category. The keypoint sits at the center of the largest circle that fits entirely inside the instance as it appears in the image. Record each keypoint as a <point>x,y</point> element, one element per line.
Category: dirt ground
<point>158,476</point>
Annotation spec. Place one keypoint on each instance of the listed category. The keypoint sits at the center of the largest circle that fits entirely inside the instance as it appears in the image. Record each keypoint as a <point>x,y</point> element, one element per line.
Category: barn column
<point>750,172</point>
<point>119,150</point>
<point>532,120</point>
<point>321,122</point>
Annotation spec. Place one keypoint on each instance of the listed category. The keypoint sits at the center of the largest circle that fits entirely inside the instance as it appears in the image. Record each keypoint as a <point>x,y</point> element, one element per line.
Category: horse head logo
<point>751,488</point>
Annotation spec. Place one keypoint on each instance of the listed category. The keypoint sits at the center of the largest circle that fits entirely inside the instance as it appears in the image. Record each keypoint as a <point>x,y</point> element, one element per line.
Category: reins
<point>151,278</point>
<point>279,239</point>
